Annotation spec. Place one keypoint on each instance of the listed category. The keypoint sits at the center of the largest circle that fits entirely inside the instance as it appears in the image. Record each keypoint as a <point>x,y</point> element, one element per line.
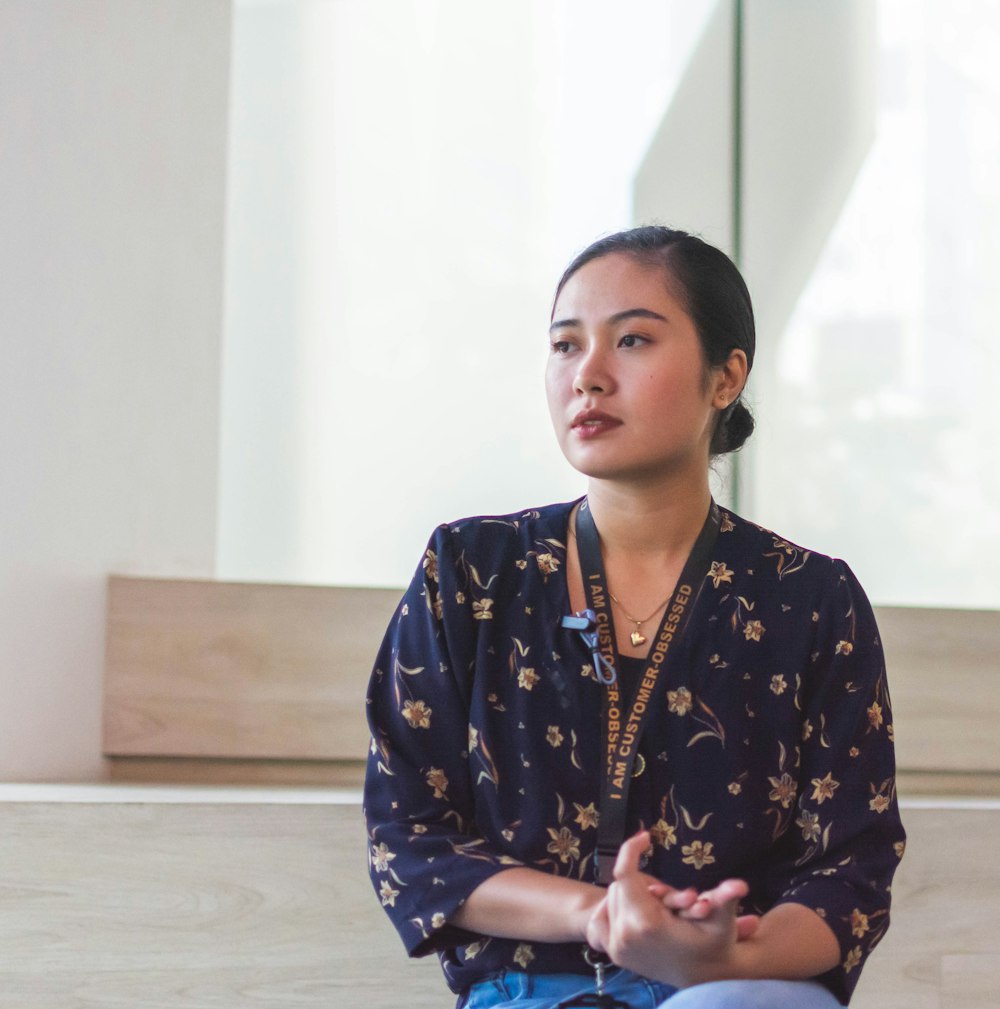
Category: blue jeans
<point>516,990</point>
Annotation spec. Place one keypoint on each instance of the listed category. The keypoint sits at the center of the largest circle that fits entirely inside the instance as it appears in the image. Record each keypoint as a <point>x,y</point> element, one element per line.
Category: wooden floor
<point>152,898</point>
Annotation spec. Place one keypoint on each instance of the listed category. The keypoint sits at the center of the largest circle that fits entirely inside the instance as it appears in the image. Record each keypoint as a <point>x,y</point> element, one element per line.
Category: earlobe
<point>732,379</point>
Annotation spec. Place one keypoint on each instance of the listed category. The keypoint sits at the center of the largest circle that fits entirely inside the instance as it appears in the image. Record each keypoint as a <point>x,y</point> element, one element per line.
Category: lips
<point>591,423</point>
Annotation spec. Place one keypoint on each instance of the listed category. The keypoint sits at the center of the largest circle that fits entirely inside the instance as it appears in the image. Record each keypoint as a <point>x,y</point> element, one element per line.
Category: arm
<point>425,854</point>
<point>839,854</point>
<point>791,942</point>
<point>524,903</point>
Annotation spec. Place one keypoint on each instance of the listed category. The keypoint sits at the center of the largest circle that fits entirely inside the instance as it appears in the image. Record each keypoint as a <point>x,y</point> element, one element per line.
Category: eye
<point>632,340</point>
<point>561,346</point>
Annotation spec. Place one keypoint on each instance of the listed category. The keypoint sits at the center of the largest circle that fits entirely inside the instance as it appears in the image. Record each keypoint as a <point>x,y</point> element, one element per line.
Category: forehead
<point>612,284</point>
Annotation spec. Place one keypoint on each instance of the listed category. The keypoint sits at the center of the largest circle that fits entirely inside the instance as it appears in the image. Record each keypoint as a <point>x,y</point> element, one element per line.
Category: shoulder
<point>778,556</point>
<point>797,592</point>
<point>473,567</point>
<point>491,535</point>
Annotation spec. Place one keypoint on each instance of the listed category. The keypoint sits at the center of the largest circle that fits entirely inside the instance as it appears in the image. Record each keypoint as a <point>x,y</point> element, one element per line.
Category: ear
<point>729,379</point>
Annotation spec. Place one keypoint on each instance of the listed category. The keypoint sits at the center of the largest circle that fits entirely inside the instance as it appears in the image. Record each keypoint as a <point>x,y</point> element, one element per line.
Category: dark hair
<point>706,281</point>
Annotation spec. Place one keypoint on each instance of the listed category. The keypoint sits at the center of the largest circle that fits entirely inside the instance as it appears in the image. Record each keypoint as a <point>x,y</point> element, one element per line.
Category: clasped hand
<point>680,937</point>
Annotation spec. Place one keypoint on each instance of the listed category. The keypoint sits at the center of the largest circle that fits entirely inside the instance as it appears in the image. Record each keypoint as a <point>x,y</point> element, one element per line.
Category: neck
<point>650,520</point>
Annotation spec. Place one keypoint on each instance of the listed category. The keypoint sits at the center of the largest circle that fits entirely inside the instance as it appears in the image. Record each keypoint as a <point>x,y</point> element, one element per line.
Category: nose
<point>592,373</point>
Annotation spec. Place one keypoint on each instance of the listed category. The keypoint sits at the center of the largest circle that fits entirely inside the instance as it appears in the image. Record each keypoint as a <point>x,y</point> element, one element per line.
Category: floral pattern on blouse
<point>768,752</point>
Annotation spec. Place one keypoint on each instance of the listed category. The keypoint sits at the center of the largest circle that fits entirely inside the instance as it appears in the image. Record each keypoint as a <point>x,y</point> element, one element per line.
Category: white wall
<point>112,117</point>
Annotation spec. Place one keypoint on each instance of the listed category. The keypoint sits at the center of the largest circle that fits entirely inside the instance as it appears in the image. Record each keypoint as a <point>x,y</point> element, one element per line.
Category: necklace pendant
<point>637,638</point>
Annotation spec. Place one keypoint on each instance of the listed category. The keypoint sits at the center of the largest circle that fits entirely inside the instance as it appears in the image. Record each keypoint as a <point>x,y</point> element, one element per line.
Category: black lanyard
<point>621,737</point>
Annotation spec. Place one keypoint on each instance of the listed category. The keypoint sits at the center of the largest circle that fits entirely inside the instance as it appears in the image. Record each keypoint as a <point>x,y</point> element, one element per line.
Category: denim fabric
<point>512,989</point>
<point>754,995</point>
<point>545,991</point>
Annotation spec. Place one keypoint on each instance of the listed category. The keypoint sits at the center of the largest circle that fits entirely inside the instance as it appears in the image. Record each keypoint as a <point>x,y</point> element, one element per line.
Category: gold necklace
<point>636,637</point>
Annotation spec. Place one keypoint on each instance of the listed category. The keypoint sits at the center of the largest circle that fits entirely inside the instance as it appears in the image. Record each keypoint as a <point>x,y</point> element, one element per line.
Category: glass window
<point>407,181</point>
<point>881,411</point>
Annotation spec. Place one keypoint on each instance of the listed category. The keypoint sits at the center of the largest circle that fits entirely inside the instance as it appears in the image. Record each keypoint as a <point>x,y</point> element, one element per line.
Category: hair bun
<point>735,425</point>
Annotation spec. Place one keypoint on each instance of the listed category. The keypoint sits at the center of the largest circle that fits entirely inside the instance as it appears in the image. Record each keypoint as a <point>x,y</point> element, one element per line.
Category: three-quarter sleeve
<point>424,851</point>
<point>841,850</point>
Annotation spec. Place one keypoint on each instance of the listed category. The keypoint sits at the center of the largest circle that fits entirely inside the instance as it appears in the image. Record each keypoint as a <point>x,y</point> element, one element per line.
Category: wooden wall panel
<point>219,669</point>
<point>266,683</point>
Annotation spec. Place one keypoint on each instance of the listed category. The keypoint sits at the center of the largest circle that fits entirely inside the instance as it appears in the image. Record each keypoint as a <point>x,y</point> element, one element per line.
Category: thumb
<point>629,854</point>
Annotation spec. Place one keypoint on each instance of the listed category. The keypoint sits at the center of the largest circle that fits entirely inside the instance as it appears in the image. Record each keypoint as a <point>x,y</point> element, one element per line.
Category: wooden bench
<point>156,898</point>
<point>181,898</point>
<point>943,949</point>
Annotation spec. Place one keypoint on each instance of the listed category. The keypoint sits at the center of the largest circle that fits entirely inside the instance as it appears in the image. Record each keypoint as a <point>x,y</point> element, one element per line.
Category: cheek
<point>675,388</point>
<point>555,383</point>
<point>667,403</point>
<point>552,393</point>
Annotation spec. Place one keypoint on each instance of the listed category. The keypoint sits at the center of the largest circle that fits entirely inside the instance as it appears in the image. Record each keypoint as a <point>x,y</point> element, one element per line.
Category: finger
<point>629,854</point>
<point>658,888</point>
<point>679,900</point>
<point>732,889</point>
<point>672,897</point>
<point>656,884</point>
<point>728,890</point>
<point>699,909</point>
<point>746,926</point>
<point>720,902</point>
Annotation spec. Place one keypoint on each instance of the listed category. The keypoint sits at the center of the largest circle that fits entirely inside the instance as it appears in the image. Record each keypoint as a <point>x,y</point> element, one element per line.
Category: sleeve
<point>841,851</point>
<point>425,856</point>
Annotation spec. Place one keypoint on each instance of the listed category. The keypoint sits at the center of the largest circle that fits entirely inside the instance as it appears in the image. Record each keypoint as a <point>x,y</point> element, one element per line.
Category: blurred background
<point>406,181</point>
<point>275,278</point>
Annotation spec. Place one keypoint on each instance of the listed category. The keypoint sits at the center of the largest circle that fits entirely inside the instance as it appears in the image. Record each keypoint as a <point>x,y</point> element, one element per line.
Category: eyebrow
<point>629,313</point>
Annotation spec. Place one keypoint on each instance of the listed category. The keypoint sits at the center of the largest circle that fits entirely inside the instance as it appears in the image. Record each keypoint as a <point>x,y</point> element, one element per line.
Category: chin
<point>636,473</point>
<point>595,470</point>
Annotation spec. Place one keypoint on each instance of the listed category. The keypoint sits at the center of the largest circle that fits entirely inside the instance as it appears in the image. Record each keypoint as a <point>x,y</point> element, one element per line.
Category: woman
<point>712,737</point>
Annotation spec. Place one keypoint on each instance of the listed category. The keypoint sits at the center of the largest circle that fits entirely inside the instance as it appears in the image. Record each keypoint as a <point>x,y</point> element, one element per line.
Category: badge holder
<point>600,999</point>
<point>585,623</point>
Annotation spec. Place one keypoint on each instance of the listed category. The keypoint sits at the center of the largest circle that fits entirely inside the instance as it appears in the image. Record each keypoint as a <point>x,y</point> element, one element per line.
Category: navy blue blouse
<point>769,749</point>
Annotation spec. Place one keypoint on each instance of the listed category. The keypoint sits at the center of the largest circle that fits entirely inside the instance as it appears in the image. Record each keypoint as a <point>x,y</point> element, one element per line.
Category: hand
<point>710,900</point>
<point>670,897</point>
<point>698,906</point>
<point>676,936</point>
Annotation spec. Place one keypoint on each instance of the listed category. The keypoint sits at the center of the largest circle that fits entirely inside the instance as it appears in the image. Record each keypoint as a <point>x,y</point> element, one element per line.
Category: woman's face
<point>627,385</point>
